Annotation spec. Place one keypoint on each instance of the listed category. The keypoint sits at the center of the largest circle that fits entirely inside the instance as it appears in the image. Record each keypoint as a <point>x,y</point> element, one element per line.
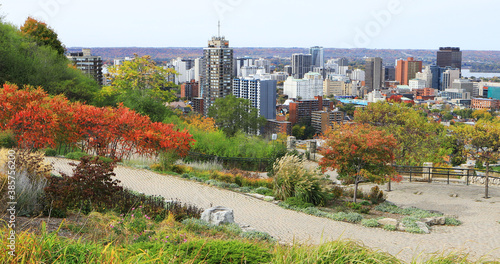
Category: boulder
<point>401,227</point>
<point>438,220</point>
<point>423,227</point>
<point>218,215</point>
<point>388,221</point>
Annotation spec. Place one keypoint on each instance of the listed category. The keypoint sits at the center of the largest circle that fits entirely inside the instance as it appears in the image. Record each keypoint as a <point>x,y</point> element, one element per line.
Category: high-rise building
<point>185,70</point>
<point>416,84</point>
<point>263,63</point>
<point>407,70</point>
<point>389,73</point>
<point>190,89</point>
<point>242,62</point>
<point>301,64</point>
<point>358,75</point>
<point>448,76</point>
<point>217,72</point>
<point>88,64</point>
<point>307,88</point>
<point>336,87</point>
<point>374,75</point>
<point>260,92</point>
<point>426,75</point>
<point>317,56</point>
<point>449,57</point>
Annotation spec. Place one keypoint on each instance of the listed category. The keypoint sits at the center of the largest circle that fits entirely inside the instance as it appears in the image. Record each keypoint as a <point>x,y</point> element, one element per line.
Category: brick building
<point>489,104</point>
<point>190,90</point>
<point>322,120</point>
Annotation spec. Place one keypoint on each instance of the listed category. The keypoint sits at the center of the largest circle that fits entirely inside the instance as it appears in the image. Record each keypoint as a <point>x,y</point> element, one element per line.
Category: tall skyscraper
<point>301,64</point>
<point>317,56</point>
<point>407,70</point>
<point>427,76</point>
<point>261,93</point>
<point>217,72</point>
<point>374,75</point>
<point>389,73</point>
<point>449,56</point>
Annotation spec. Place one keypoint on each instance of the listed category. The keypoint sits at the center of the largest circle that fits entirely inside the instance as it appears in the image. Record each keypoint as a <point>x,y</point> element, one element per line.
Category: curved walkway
<point>479,235</point>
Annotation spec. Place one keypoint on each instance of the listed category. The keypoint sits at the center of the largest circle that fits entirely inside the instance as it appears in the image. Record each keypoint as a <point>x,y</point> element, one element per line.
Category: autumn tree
<point>418,139</point>
<point>233,114</point>
<point>482,142</point>
<point>42,34</point>
<point>359,152</point>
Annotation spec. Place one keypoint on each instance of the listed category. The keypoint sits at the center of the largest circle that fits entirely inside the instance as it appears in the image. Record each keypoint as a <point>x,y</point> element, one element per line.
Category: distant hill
<point>470,57</point>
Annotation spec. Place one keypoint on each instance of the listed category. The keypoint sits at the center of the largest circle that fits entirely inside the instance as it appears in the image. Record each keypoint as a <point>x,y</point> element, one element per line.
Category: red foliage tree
<point>38,121</point>
<point>359,152</point>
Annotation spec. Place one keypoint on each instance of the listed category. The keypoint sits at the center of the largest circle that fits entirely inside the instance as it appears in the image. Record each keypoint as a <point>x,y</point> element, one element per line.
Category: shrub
<point>245,189</point>
<point>76,155</point>
<point>337,192</point>
<point>233,186</point>
<point>370,222</point>
<point>376,196</point>
<point>257,235</point>
<point>185,176</point>
<point>389,227</point>
<point>365,203</point>
<point>167,160</point>
<point>89,188</point>
<point>50,152</point>
<point>263,191</point>
<point>291,179</point>
<point>350,193</point>
<point>7,139</point>
<point>352,205</point>
<point>453,221</point>
<point>296,202</point>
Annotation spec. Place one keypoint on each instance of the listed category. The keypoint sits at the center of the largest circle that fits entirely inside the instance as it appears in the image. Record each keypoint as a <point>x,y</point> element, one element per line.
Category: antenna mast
<point>219,29</point>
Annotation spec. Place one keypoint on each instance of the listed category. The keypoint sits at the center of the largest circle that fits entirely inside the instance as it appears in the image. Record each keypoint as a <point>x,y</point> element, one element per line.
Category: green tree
<point>140,85</point>
<point>42,34</point>
<point>359,152</point>
<point>483,141</point>
<point>233,114</point>
<point>418,139</point>
<point>348,109</point>
<point>24,62</point>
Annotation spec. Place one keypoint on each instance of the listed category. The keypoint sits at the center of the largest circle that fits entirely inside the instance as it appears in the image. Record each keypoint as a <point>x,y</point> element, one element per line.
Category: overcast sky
<point>400,24</point>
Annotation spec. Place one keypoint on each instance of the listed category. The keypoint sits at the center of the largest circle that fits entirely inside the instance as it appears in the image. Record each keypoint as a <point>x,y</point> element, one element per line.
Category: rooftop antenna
<point>219,29</point>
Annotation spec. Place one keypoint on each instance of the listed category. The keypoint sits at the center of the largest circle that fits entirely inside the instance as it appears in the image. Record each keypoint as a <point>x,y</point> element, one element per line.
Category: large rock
<point>388,221</point>
<point>423,227</point>
<point>438,220</point>
<point>218,215</point>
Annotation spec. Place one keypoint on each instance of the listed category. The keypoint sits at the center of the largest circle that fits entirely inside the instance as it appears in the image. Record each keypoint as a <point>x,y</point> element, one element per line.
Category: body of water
<point>467,73</point>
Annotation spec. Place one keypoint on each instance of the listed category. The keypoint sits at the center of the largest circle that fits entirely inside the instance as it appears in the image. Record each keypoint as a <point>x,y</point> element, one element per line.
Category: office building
<point>407,70</point>
<point>301,64</point>
<point>449,57</point>
<point>263,63</point>
<point>337,87</point>
<point>260,92</point>
<point>307,88</point>
<point>190,89</point>
<point>415,84</point>
<point>87,63</point>
<point>426,75</point>
<point>483,103</point>
<point>374,75</point>
<point>217,71</point>
<point>358,75</point>
<point>448,76</point>
<point>198,105</point>
<point>389,73</point>
<point>322,120</point>
<point>317,56</point>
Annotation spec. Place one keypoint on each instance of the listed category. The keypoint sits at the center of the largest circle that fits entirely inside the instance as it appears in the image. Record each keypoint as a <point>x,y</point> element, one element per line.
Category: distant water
<point>467,73</point>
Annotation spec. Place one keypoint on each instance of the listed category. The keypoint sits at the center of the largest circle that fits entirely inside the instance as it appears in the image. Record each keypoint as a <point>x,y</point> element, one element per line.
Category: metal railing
<point>427,174</point>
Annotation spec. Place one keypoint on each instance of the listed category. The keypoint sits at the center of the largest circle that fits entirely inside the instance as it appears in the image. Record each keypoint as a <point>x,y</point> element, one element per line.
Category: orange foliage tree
<point>39,121</point>
<point>359,152</point>
<point>42,34</point>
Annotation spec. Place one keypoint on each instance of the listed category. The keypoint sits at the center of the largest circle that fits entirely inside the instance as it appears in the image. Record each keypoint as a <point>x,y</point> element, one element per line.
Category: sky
<point>374,24</point>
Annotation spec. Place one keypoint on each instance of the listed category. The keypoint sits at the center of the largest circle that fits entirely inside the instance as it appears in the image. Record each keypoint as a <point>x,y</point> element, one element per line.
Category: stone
<point>401,227</point>
<point>454,195</point>
<point>441,220</point>
<point>388,221</point>
<point>438,220</point>
<point>423,227</point>
<point>268,198</point>
<point>218,215</point>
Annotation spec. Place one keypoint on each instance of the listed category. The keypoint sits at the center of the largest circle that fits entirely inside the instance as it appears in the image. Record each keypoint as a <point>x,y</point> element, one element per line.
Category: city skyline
<point>392,24</point>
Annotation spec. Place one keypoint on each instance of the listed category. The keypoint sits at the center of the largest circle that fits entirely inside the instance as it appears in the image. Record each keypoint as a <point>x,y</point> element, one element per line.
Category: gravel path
<point>479,235</point>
